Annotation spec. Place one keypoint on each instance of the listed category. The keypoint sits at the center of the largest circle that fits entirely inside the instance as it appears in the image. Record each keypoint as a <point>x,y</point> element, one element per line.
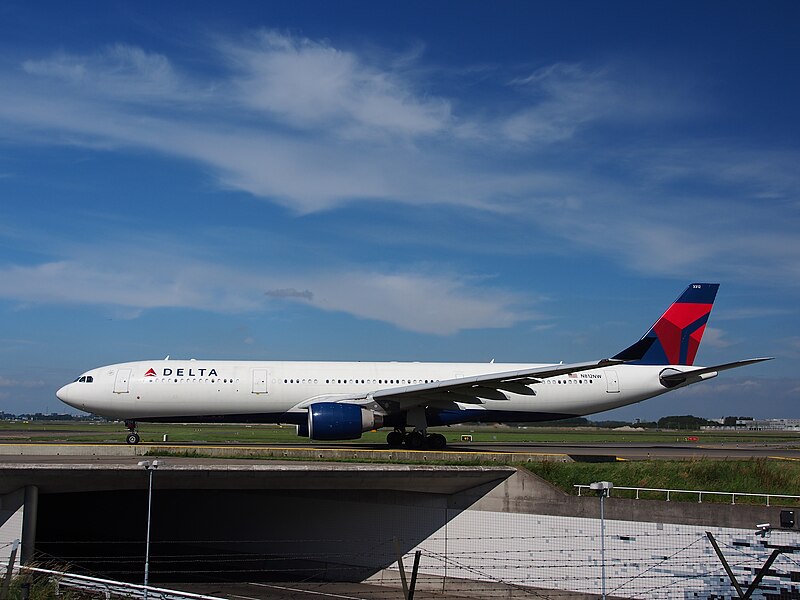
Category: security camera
<point>763,529</point>
<point>599,486</point>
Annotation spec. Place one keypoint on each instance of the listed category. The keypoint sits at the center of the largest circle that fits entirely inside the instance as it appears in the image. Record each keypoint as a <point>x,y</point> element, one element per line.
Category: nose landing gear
<point>132,437</point>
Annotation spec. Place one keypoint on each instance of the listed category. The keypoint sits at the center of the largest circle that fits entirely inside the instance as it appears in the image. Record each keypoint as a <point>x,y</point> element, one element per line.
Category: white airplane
<point>341,400</point>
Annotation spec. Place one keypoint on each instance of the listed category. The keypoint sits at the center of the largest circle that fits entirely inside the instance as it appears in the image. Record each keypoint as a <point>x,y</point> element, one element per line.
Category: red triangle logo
<point>150,373</point>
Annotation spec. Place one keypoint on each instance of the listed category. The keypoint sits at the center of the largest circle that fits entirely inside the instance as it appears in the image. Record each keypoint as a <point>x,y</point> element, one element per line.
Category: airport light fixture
<point>603,490</point>
<point>150,467</point>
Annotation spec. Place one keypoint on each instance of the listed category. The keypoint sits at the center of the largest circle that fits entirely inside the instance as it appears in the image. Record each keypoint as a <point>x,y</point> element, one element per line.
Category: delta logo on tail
<point>675,337</point>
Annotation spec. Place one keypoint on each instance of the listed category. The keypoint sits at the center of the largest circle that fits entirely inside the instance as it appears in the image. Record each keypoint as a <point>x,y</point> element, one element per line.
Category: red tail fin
<point>675,337</point>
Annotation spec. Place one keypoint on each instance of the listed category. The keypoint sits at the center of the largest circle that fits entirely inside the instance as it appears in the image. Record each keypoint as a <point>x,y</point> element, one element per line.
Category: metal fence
<point>700,493</point>
<point>110,588</point>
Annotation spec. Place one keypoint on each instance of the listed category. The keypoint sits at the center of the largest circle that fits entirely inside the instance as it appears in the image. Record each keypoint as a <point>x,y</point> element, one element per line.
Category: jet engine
<point>339,421</point>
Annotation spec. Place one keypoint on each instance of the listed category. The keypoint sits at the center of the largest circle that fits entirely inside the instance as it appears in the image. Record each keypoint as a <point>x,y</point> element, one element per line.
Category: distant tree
<point>571,422</point>
<point>683,422</point>
<point>610,424</point>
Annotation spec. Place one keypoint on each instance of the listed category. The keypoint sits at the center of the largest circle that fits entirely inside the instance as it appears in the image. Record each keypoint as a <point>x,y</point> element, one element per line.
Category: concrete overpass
<point>91,512</point>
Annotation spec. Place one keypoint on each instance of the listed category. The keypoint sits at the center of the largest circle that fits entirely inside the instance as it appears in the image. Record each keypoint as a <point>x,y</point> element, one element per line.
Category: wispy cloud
<point>310,85</point>
<point>716,338</point>
<point>126,73</point>
<point>290,293</point>
<point>130,282</point>
<point>5,382</point>
<point>312,127</point>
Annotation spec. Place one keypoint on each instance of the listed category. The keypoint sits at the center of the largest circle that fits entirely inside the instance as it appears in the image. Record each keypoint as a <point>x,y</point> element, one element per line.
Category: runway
<point>458,453</point>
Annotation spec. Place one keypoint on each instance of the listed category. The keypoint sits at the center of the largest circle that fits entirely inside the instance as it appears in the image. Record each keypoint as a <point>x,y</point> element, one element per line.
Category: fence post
<point>401,568</point>
<point>7,579</point>
<point>414,571</point>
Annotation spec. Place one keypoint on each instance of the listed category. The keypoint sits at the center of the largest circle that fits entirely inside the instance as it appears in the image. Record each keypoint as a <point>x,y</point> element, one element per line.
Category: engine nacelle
<point>340,421</point>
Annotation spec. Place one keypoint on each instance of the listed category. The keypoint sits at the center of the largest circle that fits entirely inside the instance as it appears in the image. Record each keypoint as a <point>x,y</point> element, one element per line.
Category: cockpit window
<point>89,379</point>
<point>84,379</point>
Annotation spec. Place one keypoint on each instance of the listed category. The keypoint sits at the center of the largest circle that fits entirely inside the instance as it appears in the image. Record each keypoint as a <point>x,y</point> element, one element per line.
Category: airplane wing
<point>464,390</point>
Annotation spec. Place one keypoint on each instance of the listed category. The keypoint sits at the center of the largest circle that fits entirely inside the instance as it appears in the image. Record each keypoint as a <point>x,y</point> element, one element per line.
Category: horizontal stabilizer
<point>676,378</point>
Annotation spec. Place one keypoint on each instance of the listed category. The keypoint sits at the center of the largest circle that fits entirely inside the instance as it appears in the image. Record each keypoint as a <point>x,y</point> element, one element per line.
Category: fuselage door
<point>259,381</point>
<point>121,382</point>
<point>612,381</point>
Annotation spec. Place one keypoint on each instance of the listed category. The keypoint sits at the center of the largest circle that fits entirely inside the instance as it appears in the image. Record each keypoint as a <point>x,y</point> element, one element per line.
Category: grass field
<point>98,432</point>
<point>757,476</point>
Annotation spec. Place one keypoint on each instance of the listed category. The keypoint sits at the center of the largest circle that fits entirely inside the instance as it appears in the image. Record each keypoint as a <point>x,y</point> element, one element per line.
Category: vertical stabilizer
<point>675,337</point>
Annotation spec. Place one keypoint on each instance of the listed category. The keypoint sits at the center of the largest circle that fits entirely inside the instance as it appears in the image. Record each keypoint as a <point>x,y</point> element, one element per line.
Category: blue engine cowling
<point>338,421</point>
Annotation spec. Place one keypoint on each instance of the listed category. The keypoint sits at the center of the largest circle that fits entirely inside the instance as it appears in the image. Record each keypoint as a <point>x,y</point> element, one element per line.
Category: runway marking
<point>784,458</point>
<point>280,587</point>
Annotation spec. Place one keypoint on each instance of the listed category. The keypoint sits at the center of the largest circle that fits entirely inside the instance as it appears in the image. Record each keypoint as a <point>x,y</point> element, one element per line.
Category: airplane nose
<point>63,394</point>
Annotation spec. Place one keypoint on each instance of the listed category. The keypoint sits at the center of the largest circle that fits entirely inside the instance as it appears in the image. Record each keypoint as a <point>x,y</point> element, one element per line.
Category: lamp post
<point>603,489</point>
<point>150,468</point>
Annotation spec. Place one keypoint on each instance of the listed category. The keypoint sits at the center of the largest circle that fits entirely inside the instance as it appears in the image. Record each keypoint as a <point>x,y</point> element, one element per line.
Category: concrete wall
<point>527,493</point>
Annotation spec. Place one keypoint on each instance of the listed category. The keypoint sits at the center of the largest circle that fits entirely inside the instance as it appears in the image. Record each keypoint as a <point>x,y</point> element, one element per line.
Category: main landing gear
<point>416,440</point>
<point>132,437</point>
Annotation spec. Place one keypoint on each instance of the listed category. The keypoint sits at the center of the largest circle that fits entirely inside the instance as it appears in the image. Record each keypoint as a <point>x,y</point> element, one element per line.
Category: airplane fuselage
<point>341,400</point>
<point>280,392</point>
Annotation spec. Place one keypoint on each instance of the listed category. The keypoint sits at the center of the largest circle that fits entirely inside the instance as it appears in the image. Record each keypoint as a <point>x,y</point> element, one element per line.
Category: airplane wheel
<point>395,439</point>
<point>133,438</point>
<point>414,440</point>
<point>436,441</point>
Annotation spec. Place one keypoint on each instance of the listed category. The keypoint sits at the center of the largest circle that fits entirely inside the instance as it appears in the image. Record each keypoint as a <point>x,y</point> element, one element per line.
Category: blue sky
<point>398,181</point>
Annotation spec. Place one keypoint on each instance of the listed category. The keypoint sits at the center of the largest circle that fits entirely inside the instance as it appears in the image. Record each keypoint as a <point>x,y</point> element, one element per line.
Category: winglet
<point>675,337</point>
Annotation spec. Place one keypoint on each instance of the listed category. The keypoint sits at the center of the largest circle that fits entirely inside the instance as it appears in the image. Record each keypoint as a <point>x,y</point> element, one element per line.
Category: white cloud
<point>121,71</point>
<point>418,302</point>
<point>565,96</point>
<point>5,382</point>
<point>310,126</point>
<point>129,281</point>
<point>715,338</point>
<point>312,84</point>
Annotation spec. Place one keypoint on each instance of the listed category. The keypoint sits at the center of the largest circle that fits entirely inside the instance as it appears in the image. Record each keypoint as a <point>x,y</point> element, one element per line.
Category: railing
<point>109,587</point>
<point>700,493</point>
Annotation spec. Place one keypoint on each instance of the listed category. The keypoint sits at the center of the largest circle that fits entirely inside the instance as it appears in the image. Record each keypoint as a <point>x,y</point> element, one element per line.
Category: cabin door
<point>121,382</point>
<point>612,382</point>
<point>259,381</point>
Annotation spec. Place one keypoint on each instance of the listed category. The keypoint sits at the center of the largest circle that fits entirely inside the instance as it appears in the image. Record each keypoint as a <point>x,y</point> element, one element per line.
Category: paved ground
<point>680,450</point>
<point>640,451</point>
<point>360,591</point>
<point>300,591</point>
